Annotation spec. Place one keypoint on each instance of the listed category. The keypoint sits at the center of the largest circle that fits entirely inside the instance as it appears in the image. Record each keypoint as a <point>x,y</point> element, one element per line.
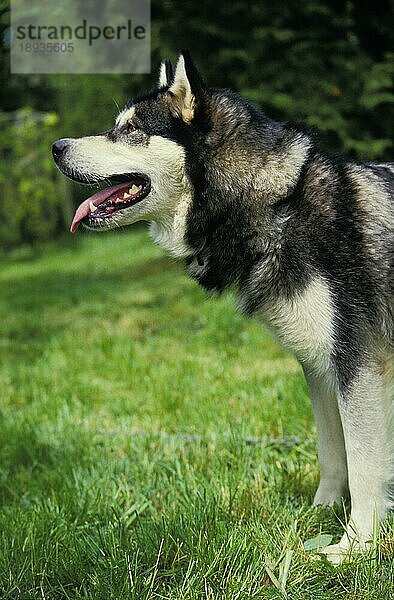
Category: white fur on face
<point>163,161</point>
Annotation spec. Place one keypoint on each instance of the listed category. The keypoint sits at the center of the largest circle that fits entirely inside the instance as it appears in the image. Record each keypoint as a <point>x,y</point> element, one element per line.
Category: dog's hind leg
<point>331,444</point>
<point>364,411</point>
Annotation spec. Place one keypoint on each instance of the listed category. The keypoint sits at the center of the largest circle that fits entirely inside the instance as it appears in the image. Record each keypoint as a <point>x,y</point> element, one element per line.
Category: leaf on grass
<point>284,569</point>
<point>320,541</point>
<point>272,576</point>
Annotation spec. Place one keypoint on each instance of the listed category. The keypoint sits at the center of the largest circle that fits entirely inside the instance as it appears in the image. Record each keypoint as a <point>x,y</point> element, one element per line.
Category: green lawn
<point>154,443</point>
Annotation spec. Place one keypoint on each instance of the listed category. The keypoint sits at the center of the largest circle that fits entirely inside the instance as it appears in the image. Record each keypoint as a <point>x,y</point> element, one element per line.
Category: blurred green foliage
<point>31,207</point>
<point>329,63</point>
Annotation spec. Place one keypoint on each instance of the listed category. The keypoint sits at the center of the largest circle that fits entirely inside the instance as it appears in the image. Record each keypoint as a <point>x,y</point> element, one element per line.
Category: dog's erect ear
<point>166,76</point>
<point>186,89</point>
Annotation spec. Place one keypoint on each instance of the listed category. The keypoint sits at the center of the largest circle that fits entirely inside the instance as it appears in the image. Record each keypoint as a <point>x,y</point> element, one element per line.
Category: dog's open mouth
<point>102,206</point>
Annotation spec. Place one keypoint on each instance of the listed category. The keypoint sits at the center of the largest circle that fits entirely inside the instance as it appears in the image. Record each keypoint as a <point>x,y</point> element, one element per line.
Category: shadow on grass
<point>32,297</point>
<point>35,464</point>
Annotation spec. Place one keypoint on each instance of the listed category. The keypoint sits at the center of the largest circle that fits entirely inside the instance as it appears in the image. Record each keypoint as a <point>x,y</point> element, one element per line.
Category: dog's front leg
<point>331,445</point>
<point>366,427</point>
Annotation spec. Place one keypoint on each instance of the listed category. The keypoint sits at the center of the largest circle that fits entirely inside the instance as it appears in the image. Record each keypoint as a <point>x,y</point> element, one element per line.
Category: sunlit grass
<point>154,443</point>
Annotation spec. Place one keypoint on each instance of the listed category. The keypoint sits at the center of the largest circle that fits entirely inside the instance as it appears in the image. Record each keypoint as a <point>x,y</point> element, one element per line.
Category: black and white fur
<point>303,237</point>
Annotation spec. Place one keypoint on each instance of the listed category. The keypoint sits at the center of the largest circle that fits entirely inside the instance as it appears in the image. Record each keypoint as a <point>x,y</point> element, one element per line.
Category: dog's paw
<point>328,495</point>
<point>344,550</point>
<point>336,553</point>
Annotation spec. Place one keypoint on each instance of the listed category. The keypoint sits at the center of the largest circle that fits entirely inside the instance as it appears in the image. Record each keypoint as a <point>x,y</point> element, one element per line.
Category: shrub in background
<point>32,201</point>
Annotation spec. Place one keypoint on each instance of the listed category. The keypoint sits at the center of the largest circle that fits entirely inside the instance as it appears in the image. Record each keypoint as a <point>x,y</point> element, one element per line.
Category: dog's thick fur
<point>305,239</point>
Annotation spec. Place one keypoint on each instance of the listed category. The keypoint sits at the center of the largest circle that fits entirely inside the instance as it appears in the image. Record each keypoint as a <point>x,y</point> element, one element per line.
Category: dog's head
<point>187,158</point>
<point>142,157</point>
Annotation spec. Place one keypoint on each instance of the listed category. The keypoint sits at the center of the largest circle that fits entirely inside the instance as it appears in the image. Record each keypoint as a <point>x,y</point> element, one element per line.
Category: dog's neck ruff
<point>169,232</point>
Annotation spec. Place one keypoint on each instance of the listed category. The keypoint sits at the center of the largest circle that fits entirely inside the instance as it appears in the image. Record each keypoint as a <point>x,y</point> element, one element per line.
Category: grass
<point>154,443</point>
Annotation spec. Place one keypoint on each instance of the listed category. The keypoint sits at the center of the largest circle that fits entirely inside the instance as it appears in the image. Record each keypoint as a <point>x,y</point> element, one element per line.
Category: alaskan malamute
<point>305,238</point>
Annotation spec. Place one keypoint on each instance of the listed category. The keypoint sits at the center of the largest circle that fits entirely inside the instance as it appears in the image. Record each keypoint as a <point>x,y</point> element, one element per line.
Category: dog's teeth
<point>135,189</point>
<point>117,200</point>
<point>126,195</point>
<point>92,207</point>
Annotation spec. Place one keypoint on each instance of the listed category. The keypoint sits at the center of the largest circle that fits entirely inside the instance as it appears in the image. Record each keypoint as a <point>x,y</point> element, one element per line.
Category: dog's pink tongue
<point>84,209</point>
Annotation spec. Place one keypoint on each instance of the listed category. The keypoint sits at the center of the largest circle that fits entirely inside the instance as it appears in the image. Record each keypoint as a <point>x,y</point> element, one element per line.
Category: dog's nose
<point>58,148</point>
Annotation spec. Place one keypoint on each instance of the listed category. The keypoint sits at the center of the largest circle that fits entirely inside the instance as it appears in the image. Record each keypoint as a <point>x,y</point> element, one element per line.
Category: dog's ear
<point>186,89</point>
<point>166,75</point>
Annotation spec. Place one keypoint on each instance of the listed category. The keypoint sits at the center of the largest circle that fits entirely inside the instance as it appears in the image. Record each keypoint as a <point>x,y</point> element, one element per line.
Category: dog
<point>305,238</point>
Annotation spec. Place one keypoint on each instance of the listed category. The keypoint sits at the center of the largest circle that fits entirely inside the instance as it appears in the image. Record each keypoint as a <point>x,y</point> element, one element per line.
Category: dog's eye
<point>129,127</point>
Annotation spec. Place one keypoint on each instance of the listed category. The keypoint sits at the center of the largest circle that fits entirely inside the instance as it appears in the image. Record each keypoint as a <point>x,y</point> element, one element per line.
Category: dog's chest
<point>304,323</point>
